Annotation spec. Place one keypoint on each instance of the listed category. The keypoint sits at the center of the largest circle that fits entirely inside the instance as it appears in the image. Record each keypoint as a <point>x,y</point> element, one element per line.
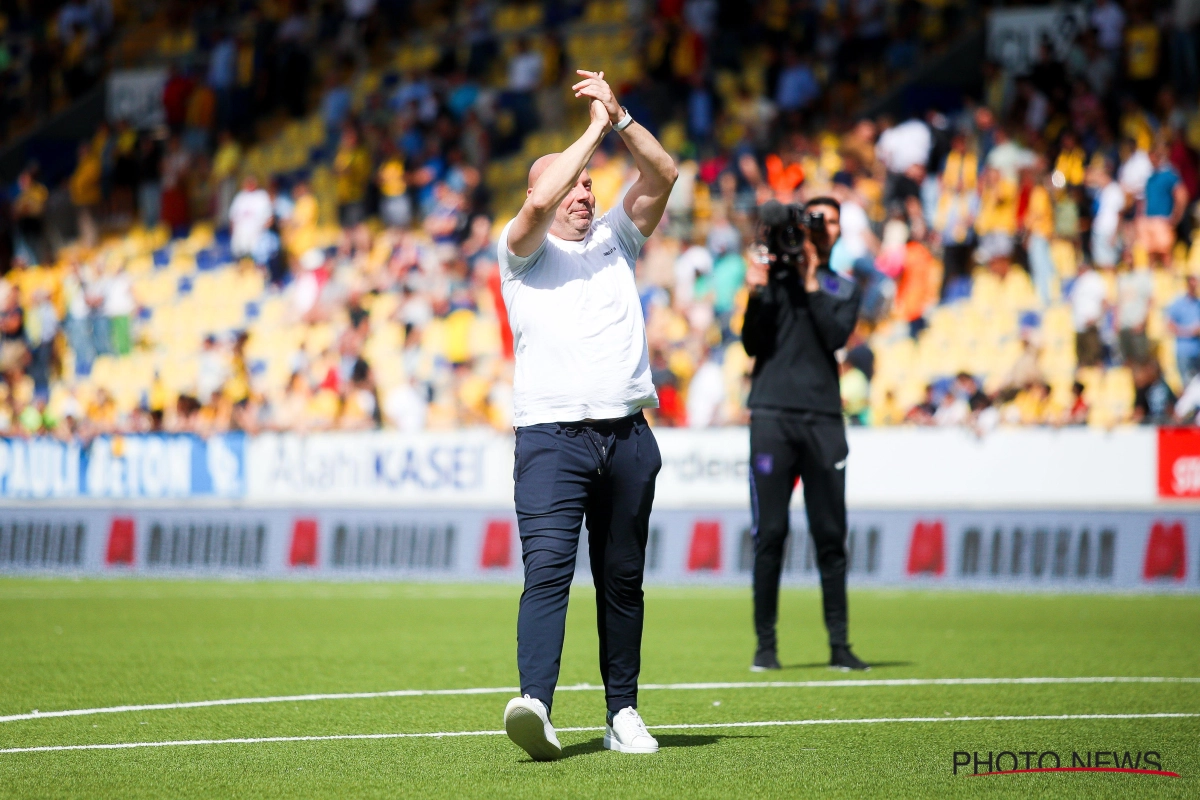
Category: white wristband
<point>624,122</point>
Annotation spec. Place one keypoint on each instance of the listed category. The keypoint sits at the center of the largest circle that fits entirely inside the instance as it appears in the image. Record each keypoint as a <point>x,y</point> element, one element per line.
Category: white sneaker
<point>528,725</point>
<point>628,734</point>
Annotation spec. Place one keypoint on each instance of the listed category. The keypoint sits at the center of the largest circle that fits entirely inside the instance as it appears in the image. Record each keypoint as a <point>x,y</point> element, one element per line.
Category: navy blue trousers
<point>567,473</point>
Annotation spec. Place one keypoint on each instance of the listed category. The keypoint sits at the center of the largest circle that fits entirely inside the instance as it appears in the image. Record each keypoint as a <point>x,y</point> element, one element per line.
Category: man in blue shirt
<point>797,85</point>
<point>1166,200</point>
<point>1183,320</point>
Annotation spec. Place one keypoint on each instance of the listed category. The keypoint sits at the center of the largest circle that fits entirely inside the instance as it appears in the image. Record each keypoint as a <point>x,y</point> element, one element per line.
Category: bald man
<point>583,452</point>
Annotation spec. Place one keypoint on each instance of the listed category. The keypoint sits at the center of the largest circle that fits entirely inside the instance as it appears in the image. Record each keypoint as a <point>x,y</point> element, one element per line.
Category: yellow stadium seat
<point>485,337</point>
<point>1064,257</point>
<point>1118,382</point>
<point>1092,379</point>
<point>319,338</point>
<point>1166,360</point>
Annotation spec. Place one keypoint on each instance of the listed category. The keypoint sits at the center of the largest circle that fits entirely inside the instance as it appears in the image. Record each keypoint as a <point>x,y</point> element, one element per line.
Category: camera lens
<point>790,239</point>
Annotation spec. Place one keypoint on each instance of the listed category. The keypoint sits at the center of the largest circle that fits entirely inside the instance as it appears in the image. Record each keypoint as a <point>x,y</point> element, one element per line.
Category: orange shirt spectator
<point>783,179</point>
<point>919,282</point>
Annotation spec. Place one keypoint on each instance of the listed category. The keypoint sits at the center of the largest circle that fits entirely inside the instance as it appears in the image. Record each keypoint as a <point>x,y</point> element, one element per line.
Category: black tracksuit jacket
<point>793,335</point>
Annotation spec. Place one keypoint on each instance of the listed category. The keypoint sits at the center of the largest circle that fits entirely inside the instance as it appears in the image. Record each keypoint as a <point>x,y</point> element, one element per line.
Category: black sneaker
<point>765,660</point>
<point>841,658</point>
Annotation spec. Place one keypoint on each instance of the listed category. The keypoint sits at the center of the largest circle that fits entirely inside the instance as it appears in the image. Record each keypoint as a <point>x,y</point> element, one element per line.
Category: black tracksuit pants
<point>566,473</point>
<point>783,446</point>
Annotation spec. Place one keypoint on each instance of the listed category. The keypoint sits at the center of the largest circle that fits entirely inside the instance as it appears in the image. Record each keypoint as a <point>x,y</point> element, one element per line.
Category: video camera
<point>783,228</point>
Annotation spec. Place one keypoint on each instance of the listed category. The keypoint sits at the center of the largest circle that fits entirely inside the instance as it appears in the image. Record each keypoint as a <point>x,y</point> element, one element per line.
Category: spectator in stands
<point>1136,167</point>
<point>1183,320</point>
<point>360,404</point>
<point>693,263</point>
<point>1110,202</point>
<point>996,224</point>
<point>1026,369</point>
<point>957,207</point>
<point>124,178</point>
<point>1089,301</point>
<point>85,192</point>
<point>705,407</point>
<point>119,307</point>
<point>855,392</point>
<point>352,169</point>
<point>176,177</point>
<point>1166,200</point>
<point>250,216</point>
<point>916,290</point>
<point>223,174</point>
<point>1154,401</point>
<point>395,207</point>
<point>14,351</point>
<point>952,410</point>
<point>525,69</point>
<point>1037,225</point>
<point>78,321</point>
<point>1135,292</point>
<point>149,171</point>
<point>445,220</point>
<point>41,328</point>
<point>1078,411</point>
<point>904,151</point>
<point>797,87</point>
<point>922,413</point>
<point>1034,405</point>
<point>1143,48</point>
<point>854,252</point>
<point>29,211</point>
<point>1109,21</point>
<point>407,406</point>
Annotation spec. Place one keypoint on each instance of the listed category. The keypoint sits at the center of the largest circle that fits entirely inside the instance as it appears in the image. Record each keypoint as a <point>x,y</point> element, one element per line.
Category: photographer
<point>799,314</point>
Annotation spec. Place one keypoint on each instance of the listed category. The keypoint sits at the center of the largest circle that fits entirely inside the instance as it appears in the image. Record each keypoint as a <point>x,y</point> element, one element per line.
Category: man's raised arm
<point>647,198</point>
<point>549,188</point>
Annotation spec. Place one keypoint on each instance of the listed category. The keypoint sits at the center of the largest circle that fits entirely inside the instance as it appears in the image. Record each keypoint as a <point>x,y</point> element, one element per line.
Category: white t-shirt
<point>1135,290</point>
<point>1135,172</point>
<point>694,261</point>
<point>904,145</point>
<point>118,295</point>
<point>525,71</point>
<point>1108,210</point>
<point>1087,299</point>
<point>855,226</point>
<point>706,396</point>
<point>249,215</point>
<point>578,332</point>
<point>406,408</point>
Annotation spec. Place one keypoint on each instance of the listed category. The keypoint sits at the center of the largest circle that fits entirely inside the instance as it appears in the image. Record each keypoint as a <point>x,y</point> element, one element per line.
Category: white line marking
<point>587,687</point>
<point>684,726</point>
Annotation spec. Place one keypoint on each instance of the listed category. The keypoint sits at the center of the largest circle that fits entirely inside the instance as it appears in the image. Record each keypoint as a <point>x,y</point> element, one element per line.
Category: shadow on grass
<point>665,740</point>
<point>825,665</point>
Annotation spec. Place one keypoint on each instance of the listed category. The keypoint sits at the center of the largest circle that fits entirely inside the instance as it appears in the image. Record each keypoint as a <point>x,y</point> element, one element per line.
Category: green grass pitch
<point>96,643</point>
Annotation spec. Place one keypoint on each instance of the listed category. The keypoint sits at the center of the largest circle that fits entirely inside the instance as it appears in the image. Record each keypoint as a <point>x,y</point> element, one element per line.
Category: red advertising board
<point>1179,462</point>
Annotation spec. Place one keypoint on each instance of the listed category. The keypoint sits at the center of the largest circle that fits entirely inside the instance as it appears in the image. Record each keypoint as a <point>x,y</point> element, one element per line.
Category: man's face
<point>825,239</point>
<point>574,216</point>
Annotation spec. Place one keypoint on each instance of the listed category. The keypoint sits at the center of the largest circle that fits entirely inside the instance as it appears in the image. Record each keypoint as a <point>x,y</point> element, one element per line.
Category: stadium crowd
<point>1026,257</point>
<point>50,55</point>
